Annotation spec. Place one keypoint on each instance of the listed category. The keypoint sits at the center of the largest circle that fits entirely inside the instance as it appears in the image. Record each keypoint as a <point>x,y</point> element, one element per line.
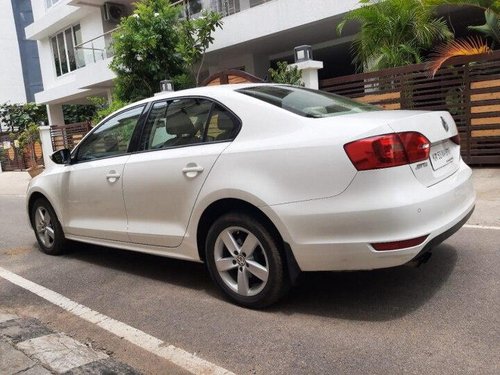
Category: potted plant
<point>27,139</point>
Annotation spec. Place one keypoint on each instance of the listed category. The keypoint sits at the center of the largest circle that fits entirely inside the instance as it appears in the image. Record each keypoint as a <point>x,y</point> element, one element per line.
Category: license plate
<point>440,156</point>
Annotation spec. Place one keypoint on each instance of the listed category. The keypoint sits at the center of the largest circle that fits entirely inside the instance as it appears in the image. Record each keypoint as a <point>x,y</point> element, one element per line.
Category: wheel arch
<point>225,205</point>
<point>31,201</point>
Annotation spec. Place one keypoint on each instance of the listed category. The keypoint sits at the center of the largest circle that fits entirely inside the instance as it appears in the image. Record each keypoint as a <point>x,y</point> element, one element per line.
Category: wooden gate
<point>469,88</point>
<point>68,136</point>
<point>14,159</point>
<point>230,76</point>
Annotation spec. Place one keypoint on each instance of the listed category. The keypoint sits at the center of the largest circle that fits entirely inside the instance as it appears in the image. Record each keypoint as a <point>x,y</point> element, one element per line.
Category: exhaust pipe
<point>420,259</point>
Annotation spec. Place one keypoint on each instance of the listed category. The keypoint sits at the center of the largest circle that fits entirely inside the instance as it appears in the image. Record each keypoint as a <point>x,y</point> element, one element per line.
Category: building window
<point>63,48</point>
<point>50,3</point>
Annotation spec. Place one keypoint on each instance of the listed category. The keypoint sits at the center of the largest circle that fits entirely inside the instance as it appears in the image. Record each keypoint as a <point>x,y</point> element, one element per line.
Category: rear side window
<point>306,102</point>
<point>174,123</point>
<point>222,125</point>
<point>187,121</point>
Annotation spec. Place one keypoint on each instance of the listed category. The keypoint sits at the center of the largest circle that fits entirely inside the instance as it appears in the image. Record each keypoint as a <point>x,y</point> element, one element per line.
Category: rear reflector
<point>396,245</point>
<point>388,150</point>
<point>456,139</point>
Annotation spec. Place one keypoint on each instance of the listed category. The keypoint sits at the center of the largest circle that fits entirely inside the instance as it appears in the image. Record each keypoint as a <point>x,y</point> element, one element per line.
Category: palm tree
<point>491,27</point>
<point>394,33</point>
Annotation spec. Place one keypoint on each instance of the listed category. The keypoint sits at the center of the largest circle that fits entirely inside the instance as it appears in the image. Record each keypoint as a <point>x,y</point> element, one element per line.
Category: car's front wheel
<point>245,261</point>
<point>48,230</point>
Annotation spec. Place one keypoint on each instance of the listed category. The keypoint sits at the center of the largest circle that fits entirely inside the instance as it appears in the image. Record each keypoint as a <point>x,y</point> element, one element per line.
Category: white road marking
<point>180,357</point>
<point>60,352</point>
<point>473,226</point>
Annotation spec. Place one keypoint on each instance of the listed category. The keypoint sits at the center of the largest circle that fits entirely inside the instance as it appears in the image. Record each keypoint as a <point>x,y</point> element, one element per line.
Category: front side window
<point>306,102</point>
<point>63,49</point>
<point>111,138</point>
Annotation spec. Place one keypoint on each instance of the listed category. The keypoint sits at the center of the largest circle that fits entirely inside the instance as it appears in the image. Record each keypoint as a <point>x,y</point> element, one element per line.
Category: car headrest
<point>179,124</point>
<point>224,122</point>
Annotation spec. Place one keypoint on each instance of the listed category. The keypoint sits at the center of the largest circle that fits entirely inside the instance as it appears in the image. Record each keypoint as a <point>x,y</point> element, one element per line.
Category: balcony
<point>226,7</point>
<point>94,50</point>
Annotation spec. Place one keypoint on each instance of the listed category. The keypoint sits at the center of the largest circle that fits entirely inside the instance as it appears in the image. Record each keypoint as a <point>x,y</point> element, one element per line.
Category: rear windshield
<point>306,102</point>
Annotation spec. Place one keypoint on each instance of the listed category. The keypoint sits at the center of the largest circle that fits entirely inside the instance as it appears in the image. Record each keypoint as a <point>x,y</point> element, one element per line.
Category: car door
<point>92,184</point>
<point>161,184</point>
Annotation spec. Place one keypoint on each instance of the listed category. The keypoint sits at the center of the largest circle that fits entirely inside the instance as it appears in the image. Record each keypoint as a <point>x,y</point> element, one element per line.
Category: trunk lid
<point>438,128</point>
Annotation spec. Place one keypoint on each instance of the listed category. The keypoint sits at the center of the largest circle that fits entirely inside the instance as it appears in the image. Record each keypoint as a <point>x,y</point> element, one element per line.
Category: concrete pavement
<point>14,183</point>
<point>29,347</point>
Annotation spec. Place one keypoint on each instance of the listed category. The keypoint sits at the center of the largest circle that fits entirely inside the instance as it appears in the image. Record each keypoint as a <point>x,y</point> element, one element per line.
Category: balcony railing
<point>94,50</point>
<point>226,7</point>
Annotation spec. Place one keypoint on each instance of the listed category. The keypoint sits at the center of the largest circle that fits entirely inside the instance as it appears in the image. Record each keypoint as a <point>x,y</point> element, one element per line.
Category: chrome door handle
<point>192,170</point>
<point>112,176</point>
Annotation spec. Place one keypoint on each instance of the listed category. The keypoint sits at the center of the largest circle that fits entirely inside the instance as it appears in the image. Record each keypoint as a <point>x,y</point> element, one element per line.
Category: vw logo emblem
<point>445,124</point>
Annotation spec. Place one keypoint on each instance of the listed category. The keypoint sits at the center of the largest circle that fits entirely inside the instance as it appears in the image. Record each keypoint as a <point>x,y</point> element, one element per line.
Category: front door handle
<point>112,176</point>
<point>192,170</point>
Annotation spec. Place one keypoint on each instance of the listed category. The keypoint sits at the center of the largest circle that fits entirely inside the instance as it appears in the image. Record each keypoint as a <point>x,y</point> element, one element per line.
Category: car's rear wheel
<point>48,230</point>
<point>245,261</point>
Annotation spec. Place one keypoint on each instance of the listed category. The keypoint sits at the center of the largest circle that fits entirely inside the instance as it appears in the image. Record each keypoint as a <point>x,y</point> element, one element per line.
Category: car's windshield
<point>306,102</point>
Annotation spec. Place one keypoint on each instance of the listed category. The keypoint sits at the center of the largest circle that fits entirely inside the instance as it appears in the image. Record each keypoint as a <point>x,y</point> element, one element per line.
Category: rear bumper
<point>336,233</point>
<point>443,236</point>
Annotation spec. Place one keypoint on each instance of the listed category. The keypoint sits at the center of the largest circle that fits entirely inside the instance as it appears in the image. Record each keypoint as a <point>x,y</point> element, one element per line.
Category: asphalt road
<point>443,317</point>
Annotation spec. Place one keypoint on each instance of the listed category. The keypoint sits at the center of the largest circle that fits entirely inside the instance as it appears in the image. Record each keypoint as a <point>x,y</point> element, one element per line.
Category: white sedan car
<point>260,182</point>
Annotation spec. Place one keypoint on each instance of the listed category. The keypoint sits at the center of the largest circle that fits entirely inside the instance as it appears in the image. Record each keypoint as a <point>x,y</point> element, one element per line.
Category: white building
<point>73,38</point>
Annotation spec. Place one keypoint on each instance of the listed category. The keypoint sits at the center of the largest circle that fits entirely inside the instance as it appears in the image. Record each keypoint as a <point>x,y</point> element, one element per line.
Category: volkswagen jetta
<point>260,182</point>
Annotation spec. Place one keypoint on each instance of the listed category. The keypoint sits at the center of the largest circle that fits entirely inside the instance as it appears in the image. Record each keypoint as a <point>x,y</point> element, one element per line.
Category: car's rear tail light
<point>456,139</point>
<point>384,246</point>
<point>388,150</point>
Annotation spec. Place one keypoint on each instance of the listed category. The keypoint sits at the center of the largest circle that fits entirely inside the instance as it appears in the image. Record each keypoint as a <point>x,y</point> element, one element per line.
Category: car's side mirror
<point>62,156</point>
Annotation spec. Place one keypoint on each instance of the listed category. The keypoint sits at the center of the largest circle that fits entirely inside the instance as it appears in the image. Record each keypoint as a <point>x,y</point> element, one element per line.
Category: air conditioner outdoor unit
<point>114,12</point>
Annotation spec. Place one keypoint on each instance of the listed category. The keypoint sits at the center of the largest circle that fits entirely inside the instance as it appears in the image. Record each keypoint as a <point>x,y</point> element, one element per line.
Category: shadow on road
<point>377,295</point>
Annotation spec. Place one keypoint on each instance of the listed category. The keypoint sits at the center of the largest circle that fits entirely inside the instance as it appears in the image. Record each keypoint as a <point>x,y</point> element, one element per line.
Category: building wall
<point>23,16</point>
<point>91,27</point>
<point>11,75</point>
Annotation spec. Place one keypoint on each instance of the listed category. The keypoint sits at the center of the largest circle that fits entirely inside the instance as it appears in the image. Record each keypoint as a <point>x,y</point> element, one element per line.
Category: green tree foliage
<point>286,74</point>
<point>194,38</point>
<point>144,49</point>
<point>491,27</point>
<point>78,113</point>
<point>103,109</point>
<point>394,33</point>
<point>17,117</point>
<point>154,44</point>
<point>483,4</point>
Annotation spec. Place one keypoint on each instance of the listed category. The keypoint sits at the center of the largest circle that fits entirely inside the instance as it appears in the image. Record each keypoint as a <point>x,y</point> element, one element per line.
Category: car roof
<point>205,90</point>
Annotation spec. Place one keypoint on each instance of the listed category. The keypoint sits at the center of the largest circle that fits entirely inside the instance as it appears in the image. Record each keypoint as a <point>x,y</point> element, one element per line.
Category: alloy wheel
<point>44,227</point>
<point>241,261</point>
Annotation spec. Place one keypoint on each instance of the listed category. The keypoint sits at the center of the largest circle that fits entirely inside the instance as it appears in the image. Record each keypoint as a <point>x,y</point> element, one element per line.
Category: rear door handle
<point>192,169</point>
<point>112,176</point>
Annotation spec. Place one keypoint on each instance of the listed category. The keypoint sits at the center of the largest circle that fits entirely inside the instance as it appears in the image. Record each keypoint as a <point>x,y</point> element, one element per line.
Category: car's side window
<point>174,123</point>
<point>112,138</point>
<point>222,126</point>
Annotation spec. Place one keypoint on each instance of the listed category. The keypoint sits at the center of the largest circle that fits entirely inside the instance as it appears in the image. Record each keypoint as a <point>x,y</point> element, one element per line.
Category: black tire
<point>265,255</point>
<point>48,230</point>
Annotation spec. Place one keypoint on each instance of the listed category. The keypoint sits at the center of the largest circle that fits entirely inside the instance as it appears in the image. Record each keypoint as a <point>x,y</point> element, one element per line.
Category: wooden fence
<point>469,88</point>
<point>68,136</point>
<point>13,158</point>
